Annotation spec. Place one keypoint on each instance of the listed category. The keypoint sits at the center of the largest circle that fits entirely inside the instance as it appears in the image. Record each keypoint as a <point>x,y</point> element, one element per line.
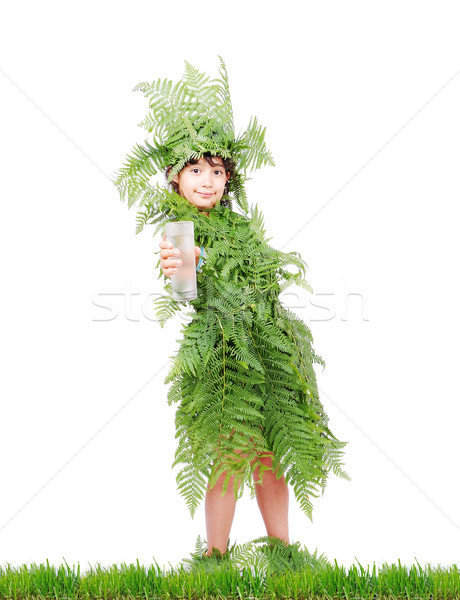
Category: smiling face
<point>202,184</point>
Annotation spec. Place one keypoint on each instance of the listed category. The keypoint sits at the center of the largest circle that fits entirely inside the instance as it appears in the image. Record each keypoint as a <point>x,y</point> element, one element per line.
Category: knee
<point>269,474</point>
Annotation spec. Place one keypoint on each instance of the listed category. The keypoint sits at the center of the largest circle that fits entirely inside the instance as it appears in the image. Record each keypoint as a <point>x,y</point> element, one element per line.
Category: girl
<point>243,377</point>
<point>202,183</point>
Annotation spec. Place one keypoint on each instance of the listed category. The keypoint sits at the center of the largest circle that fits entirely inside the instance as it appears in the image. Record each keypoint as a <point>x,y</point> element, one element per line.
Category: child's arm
<point>170,255</point>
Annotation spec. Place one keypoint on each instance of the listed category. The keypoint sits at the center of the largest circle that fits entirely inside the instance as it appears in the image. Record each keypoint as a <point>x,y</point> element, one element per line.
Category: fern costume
<point>243,376</point>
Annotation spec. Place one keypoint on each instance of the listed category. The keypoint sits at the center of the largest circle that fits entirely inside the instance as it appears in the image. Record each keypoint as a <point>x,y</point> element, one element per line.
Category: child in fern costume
<point>243,378</point>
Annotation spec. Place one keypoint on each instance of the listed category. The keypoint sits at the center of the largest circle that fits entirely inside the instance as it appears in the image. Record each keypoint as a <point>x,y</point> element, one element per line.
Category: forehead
<point>215,160</point>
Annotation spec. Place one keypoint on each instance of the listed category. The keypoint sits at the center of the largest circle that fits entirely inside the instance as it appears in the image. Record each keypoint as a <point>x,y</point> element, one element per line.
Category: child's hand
<point>170,257</point>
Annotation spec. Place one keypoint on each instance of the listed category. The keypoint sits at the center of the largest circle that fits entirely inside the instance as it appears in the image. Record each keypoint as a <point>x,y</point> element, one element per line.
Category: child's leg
<point>273,500</point>
<point>219,514</point>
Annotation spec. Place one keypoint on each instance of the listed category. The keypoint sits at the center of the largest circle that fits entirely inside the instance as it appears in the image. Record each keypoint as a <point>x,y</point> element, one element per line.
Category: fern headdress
<point>243,376</point>
<point>187,120</point>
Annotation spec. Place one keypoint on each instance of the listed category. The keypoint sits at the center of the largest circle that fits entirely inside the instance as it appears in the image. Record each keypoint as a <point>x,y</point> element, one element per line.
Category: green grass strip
<point>224,580</point>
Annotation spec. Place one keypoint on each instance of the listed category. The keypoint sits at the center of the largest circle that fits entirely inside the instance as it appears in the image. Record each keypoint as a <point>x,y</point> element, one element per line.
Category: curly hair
<point>229,166</point>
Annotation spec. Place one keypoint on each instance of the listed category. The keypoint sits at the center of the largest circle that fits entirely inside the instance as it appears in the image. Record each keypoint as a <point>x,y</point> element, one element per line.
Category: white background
<point>360,100</point>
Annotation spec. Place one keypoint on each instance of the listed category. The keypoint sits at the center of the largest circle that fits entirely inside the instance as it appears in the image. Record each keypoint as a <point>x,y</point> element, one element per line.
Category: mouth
<point>205,195</point>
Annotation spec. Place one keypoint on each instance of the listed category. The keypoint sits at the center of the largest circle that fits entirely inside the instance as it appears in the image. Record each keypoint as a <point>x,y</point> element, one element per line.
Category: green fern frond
<point>165,306</point>
<point>266,555</point>
<point>255,154</point>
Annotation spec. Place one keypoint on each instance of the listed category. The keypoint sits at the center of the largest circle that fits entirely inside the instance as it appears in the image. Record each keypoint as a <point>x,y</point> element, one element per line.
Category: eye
<point>218,172</point>
<point>195,170</point>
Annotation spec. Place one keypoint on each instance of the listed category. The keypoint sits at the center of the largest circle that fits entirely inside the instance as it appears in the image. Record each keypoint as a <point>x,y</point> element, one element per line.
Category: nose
<point>206,180</point>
